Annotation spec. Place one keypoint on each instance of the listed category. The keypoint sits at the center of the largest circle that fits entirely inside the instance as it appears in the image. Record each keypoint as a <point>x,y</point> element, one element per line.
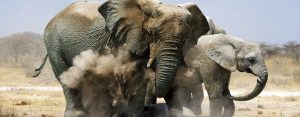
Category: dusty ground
<point>281,97</point>
<point>30,102</point>
<point>265,106</point>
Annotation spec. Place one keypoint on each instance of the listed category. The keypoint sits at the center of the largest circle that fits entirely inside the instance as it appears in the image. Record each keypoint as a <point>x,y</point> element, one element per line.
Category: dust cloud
<point>106,82</point>
<point>187,77</point>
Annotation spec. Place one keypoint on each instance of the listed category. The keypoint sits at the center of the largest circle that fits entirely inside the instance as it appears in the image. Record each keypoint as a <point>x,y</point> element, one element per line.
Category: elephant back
<point>77,28</point>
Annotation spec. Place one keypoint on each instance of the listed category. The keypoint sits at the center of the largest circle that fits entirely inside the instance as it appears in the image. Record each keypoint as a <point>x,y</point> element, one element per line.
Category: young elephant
<point>214,58</point>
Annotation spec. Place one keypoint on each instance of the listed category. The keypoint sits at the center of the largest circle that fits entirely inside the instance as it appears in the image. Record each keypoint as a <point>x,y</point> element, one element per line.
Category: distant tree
<point>292,49</point>
<point>271,50</point>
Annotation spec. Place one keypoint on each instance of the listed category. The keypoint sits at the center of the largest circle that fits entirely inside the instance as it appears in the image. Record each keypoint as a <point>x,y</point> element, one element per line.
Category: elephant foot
<point>197,111</point>
<point>174,112</point>
<point>75,113</point>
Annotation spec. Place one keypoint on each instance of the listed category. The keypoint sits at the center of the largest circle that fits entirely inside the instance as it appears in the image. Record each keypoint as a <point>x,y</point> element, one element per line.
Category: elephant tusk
<point>150,61</point>
<point>153,48</point>
<point>259,80</point>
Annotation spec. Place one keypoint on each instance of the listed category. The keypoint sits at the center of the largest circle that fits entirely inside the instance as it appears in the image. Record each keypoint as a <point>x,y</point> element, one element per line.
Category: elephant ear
<point>222,52</point>
<point>198,22</point>
<point>211,25</point>
<point>124,20</point>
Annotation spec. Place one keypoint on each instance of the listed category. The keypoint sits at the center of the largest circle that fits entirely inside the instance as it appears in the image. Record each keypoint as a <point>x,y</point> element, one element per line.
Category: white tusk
<point>259,79</point>
<point>150,61</point>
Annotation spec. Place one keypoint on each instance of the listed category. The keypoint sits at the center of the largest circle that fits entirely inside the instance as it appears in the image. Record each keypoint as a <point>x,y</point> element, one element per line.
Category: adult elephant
<point>130,23</point>
<point>180,94</point>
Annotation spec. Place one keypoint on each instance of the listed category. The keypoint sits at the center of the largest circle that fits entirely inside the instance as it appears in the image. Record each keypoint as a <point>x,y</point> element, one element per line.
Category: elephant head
<point>138,23</point>
<point>235,54</point>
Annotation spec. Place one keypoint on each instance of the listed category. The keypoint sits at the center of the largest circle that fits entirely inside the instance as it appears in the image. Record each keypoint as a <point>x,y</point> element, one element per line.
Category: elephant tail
<point>38,70</point>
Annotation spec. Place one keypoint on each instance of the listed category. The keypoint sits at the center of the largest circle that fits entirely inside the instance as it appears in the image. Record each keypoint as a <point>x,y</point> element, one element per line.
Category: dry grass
<point>286,70</point>
<point>22,103</point>
<point>8,112</point>
<point>19,74</point>
<point>283,73</point>
<point>291,98</point>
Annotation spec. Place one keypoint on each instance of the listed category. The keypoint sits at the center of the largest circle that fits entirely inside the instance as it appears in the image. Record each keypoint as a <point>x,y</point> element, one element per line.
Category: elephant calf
<point>214,58</point>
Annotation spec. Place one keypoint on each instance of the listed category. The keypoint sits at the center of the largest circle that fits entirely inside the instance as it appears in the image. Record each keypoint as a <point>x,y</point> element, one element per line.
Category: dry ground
<point>29,103</point>
<point>32,103</point>
<point>284,75</point>
<point>265,107</point>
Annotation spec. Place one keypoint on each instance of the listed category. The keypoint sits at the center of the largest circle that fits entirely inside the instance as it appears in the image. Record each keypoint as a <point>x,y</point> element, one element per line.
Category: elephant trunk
<point>168,59</point>
<point>261,83</point>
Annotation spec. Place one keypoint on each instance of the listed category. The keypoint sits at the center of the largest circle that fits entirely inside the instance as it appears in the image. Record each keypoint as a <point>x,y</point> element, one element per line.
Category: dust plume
<point>106,82</point>
<point>186,77</point>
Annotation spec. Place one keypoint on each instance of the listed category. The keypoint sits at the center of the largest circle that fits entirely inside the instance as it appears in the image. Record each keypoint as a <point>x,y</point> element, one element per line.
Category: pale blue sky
<point>271,21</point>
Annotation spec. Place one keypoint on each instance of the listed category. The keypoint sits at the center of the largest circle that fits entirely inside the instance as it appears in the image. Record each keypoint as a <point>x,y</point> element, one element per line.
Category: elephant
<point>218,56</point>
<point>197,91</point>
<point>211,62</point>
<point>134,24</point>
<point>187,101</point>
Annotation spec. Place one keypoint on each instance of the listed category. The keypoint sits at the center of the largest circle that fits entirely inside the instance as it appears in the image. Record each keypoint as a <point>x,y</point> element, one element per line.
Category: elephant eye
<point>156,14</point>
<point>251,60</point>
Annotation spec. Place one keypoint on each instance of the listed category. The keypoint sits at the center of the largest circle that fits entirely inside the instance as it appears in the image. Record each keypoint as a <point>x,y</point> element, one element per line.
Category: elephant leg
<point>197,99</point>
<point>215,100</point>
<point>215,106</point>
<point>150,98</point>
<point>184,96</point>
<point>228,104</point>
<point>136,102</point>
<point>176,99</point>
<point>229,107</point>
<point>175,109</point>
<point>74,107</point>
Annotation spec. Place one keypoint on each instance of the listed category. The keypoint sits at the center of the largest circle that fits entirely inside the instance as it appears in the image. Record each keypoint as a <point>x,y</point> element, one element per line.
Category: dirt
<point>264,106</point>
<point>42,103</point>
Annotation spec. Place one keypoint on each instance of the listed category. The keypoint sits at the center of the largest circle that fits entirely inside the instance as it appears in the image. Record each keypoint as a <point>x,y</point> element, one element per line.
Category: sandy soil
<point>49,102</point>
<point>265,106</point>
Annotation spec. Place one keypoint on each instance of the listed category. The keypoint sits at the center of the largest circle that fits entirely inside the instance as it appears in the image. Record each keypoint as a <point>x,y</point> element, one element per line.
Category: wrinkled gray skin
<point>218,56</point>
<point>183,90</point>
<point>130,23</point>
<point>197,91</point>
<point>211,61</point>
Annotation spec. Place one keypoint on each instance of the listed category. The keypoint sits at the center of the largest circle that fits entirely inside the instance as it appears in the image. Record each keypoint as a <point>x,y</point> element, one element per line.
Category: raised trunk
<point>261,83</point>
<point>168,60</point>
